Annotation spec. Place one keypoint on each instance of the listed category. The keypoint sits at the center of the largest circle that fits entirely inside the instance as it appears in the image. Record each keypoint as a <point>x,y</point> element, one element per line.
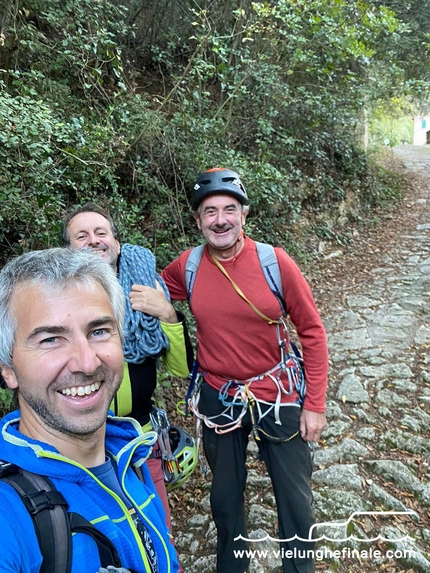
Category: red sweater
<point>233,341</point>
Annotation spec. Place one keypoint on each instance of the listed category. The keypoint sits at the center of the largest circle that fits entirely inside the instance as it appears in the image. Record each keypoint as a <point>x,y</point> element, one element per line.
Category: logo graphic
<point>335,524</point>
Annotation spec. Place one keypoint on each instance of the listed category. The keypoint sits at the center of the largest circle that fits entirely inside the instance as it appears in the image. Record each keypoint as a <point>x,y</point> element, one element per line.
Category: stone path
<point>376,451</point>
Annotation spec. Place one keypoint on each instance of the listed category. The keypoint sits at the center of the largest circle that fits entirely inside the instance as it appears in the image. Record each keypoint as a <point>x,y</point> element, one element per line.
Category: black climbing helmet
<point>218,180</point>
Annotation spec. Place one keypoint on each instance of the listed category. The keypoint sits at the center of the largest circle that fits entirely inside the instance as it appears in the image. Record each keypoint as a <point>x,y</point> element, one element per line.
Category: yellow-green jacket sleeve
<point>179,358</point>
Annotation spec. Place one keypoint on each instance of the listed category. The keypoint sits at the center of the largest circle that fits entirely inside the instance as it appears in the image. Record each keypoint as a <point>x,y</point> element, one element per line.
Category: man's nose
<point>83,357</point>
<point>220,218</point>
<point>93,239</point>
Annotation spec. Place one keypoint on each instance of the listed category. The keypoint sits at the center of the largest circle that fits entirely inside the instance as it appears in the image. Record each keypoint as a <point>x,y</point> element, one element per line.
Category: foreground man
<point>250,382</point>
<point>61,315</point>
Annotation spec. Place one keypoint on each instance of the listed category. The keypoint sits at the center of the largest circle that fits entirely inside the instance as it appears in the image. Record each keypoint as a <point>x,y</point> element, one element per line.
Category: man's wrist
<point>170,317</point>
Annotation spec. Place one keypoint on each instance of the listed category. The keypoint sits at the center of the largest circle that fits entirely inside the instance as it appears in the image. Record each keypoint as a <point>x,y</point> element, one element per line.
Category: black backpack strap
<point>48,509</point>
<point>107,550</point>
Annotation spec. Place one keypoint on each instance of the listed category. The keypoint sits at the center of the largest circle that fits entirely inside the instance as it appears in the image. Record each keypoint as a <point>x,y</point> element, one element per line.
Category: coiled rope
<point>143,334</point>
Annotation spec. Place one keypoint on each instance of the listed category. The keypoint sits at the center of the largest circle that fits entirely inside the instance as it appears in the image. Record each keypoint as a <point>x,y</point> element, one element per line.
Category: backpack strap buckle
<point>43,500</point>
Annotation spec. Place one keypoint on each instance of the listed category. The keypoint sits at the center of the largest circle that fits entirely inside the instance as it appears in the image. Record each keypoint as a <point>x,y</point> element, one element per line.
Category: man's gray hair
<point>54,269</point>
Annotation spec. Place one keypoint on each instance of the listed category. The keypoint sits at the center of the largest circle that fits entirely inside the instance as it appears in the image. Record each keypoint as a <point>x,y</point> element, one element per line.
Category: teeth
<point>81,390</point>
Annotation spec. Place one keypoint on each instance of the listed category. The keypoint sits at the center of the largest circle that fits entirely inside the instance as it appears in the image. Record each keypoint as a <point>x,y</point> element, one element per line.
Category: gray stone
<point>333,410</point>
<point>361,414</point>
<point>252,448</point>
<point>269,560</point>
<point>350,340</point>
<point>409,554</point>
<point>401,440</point>
<point>349,320</point>
<point>361,301</point>
<point>384,412</point>
<point>402,320</point>
<point>389,501</point>
<point>260,516</point>
<point>411,422</point>
<point>425,533</point>
<point>404,385</point>
<point>206,564</point>
<point>366,433</point>
<point>387,371</point>
<point>198,521</point>
<point>339,475</point>
<point>351,390</point>
<point>334,503</point>
<point>335,429</point>
<point>422,335</point>
<point>332,531</point>
<point>401,476</point>
<point>414,304</point>
<point>347,450</point>
<point>258,481</point>
<point>423,416</point>
<point>376,360</point>
<point>205,503</point>
<point>388,337</point>
<point>390,398</point>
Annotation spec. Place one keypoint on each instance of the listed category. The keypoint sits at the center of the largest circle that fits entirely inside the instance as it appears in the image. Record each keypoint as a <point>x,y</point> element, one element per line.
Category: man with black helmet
<point>250,382</point>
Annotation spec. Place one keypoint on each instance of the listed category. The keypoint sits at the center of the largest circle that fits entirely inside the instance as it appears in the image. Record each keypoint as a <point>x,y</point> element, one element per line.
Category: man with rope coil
<point>248,379</point>
<point>153,329</point>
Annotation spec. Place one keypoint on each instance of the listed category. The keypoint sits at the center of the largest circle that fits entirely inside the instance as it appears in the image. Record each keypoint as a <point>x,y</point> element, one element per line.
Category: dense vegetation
<point>125,101</point>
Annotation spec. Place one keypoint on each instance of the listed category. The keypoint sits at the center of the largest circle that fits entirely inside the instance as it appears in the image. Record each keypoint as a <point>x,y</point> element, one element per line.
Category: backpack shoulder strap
<point>48,510</point>
<point>53,524</point>
<point>272,274</point>
<point>191,268</point>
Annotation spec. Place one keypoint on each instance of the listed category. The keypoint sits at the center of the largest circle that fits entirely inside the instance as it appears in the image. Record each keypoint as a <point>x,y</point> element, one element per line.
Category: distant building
<point>422,130</point>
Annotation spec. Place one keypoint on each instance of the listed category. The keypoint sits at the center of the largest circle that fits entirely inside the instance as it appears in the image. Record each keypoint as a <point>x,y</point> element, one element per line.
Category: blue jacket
<point>127,445</point>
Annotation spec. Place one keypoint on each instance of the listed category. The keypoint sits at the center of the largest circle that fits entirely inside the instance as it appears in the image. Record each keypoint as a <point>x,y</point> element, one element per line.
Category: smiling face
<point>221,220</point>
<point>67,361</point>
<point>92,230</point>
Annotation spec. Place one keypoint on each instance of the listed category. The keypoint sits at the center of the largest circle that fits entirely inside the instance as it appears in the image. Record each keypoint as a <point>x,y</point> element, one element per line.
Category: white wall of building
<point>421,127</point>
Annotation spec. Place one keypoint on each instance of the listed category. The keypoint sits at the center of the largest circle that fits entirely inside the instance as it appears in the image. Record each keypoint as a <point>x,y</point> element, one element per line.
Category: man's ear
<point>9,377</point>
<point>197,219</point>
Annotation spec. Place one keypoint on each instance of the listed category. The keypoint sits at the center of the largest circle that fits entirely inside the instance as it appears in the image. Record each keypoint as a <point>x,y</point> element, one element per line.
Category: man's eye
<point>100,332</point>
<point>50,340</point>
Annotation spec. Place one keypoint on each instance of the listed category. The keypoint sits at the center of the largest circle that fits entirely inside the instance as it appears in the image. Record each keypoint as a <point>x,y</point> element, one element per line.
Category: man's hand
<point>311,425</point>
<point>153,301</point>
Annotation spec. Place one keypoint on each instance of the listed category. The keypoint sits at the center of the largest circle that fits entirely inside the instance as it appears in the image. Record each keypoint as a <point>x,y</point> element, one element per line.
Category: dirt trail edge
<point>371,476</point>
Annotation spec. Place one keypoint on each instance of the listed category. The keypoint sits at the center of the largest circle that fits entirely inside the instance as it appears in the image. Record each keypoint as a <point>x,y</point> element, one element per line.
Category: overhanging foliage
<point>126,101</point>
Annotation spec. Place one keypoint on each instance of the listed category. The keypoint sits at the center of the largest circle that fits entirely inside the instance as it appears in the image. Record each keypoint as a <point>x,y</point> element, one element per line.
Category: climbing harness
<point>287,375</point>
<point>144,335</point>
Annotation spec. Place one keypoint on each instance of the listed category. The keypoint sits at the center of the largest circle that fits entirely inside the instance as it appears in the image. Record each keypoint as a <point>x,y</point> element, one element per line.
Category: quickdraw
<point>161,425</point>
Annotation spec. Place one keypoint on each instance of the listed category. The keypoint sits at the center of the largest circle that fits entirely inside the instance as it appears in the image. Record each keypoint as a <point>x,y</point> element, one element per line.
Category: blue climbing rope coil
<point>143,334</point>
